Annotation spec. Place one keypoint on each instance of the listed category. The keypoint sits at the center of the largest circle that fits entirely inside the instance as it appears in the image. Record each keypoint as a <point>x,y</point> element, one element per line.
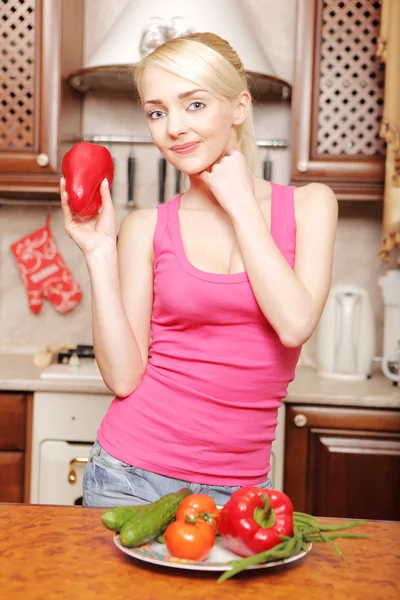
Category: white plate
<point>218,559</point>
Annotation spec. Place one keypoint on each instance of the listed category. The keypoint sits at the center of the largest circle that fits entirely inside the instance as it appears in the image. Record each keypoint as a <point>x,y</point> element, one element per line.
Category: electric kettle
<point>390,287</point>
<point>391,365</point>
<point>345,336</point>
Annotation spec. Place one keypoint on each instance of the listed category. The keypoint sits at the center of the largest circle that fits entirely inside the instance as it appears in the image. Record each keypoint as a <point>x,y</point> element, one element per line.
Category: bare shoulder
<point>138,227</point>
<point>141,222</point>
<point>314,193</point>
<point>136,233</point>
<point>315,200</point>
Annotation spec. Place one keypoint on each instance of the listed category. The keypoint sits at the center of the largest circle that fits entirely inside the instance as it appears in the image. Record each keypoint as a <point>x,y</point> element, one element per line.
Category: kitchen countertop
<point>65,553</point>
<point>18,373</point>
<point>310,388</point>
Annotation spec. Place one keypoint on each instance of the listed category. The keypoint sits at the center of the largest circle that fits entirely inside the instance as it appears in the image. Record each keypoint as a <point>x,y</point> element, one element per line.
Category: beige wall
<point>359,224</point>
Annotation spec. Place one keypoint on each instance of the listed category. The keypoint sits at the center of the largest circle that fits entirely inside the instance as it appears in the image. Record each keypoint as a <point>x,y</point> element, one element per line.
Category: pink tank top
<point>206,409</point>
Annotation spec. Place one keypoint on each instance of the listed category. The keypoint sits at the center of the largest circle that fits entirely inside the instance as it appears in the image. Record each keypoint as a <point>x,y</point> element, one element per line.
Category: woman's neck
<point>198,196</point>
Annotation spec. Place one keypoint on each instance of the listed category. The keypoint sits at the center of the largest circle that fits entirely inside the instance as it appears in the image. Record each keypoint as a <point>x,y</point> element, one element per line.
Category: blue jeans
<point>109,482</point>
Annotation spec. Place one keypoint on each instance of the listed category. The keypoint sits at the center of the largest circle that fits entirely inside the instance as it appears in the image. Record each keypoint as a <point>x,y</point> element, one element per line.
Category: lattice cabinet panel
<point>17,39</point>
<point>41,42</point>
<point>351,79</point>
<point>337,100</point>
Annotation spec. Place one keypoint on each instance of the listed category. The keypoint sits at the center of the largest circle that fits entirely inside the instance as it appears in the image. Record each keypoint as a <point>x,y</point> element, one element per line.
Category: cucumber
<point>160,538</point>
<point>147,524</point>
<point>116,517</point>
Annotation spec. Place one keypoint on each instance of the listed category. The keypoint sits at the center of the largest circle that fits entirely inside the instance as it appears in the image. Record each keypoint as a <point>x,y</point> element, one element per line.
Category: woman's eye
<point>156,114</point>
<point>197,105</point>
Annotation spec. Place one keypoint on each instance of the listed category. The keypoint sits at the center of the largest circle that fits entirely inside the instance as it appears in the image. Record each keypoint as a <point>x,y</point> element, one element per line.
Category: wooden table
<point>65,553</point>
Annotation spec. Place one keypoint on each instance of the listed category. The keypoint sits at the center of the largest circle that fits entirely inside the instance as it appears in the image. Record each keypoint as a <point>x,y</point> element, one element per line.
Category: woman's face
<point>191,128</point>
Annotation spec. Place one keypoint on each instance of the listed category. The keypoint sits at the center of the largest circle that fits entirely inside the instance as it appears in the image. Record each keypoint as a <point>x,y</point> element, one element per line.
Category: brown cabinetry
<point>41,44</point>
<point>15,446</point>
<point>338,98</point>
<point>343,462</point>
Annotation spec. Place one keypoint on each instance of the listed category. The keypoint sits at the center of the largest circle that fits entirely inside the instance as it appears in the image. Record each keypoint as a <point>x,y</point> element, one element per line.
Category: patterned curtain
<point>389,52</point>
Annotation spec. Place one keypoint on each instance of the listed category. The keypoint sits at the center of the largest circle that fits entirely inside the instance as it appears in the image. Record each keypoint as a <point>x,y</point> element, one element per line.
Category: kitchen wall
<point>359,223</point>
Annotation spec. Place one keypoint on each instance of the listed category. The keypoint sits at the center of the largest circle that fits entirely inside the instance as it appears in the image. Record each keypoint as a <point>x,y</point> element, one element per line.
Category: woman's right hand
<point>90,233</point>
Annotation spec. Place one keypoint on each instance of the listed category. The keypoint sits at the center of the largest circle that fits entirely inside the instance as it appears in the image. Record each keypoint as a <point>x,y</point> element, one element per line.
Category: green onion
<point>306,530</point>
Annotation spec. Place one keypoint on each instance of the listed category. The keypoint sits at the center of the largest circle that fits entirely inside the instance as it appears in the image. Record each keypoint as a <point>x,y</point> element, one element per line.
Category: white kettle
<point>390,286</point>
<point>345,336</point>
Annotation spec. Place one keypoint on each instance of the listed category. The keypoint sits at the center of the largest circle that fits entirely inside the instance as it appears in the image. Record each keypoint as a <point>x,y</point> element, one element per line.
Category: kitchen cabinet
<point>343,462</point>
<point>338,98</point>
<point>15,446</point>
<point>41,45</point>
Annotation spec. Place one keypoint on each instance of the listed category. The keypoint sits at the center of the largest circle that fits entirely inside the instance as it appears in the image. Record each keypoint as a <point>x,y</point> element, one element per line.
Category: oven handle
<point>72,473</point>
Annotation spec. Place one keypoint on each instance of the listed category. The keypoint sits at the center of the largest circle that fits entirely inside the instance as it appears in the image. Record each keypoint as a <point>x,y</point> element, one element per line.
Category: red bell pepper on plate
<point>253,520</point>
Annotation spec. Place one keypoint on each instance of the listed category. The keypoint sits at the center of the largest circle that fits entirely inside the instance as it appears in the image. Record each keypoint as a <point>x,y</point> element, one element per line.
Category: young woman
<point>222,285</point>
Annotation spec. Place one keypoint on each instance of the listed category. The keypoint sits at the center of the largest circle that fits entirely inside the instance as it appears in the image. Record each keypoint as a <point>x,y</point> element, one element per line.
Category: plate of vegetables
<point>255,529</point>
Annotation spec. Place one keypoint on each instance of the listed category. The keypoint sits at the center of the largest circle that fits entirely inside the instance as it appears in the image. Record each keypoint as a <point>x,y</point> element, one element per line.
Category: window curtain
<point>389,52</point>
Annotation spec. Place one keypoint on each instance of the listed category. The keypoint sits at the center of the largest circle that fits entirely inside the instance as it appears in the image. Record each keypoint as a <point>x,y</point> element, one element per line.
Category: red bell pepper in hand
<point>84,168</point>
<point>253,519</point>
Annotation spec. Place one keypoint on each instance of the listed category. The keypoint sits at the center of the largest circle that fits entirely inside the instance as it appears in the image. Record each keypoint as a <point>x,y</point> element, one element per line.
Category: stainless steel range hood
<point>141,21</point>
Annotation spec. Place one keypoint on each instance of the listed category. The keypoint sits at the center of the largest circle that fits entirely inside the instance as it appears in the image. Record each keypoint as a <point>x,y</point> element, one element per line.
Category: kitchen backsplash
<point>359,227</point>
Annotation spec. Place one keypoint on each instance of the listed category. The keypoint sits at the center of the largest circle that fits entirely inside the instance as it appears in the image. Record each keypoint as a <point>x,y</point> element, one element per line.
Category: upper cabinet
<point>338,98</point>
<point>41,45</point>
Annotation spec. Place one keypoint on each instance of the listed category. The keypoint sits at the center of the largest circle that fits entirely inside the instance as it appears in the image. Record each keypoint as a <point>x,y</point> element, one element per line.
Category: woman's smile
<point>185,148</point>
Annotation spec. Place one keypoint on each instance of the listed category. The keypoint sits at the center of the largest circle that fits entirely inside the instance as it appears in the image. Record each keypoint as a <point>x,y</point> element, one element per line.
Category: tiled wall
<point>359,225</point>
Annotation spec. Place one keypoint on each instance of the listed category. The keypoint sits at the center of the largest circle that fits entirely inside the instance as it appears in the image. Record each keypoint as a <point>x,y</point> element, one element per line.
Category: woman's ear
<point>241,107</point>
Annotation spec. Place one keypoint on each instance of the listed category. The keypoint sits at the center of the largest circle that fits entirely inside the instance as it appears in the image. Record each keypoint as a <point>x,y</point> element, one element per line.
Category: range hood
<point>141,21</point>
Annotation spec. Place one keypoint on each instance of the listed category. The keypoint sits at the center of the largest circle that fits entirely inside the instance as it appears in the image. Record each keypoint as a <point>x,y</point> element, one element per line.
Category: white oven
<point>64,429</point>
<point>278,452</point>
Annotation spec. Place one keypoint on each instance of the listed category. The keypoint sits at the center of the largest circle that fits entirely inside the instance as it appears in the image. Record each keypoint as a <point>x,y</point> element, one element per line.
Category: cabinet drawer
<point>11,476</point>
<point>12,421</point>
<point>354,419</point>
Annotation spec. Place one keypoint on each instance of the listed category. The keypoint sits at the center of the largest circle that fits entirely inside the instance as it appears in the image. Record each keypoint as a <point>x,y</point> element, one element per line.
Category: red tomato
<point>198,506</point>
<point>188,540</point>
<point>84,167</point>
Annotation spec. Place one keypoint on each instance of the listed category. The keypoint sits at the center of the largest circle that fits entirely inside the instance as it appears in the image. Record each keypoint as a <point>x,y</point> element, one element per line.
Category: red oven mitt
<point>44,271</point>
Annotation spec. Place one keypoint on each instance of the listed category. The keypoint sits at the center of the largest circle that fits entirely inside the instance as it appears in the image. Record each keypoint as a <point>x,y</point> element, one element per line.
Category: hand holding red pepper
<point>84,167</point>
<point>253,520</point>
<point>89,229</point>
<point>90,233</point>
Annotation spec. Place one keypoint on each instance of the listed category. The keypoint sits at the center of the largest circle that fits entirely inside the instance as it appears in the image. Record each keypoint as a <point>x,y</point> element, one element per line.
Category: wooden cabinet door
<point>16,411</point>
<point>11,476</point>
<point>12,421</point>
<point>338,98</point>
<point>343,462</point>
<point>41,45</point>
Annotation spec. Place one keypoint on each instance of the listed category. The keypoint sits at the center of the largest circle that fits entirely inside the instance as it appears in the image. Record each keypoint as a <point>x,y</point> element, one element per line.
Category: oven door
<point>278,452</point>
<point>61,468</point>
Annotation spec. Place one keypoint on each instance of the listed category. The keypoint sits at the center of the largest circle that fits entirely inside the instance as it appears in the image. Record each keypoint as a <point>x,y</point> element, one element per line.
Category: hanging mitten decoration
<point>44,272</point>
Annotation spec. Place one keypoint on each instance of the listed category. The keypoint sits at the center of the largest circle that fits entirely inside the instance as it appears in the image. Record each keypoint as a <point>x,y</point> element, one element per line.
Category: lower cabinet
<point>343,462</point>
<point>12,476</point>
<point>15,451</point>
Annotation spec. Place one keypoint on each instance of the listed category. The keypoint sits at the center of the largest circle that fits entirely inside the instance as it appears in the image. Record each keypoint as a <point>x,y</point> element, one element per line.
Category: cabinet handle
<point>72,473</point>
<point>302,166</point>
<point>42,159</point>
<point>300,420</point>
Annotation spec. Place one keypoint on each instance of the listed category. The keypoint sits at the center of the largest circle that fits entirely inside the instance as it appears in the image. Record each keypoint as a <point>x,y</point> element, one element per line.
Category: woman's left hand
<point>231,182</point>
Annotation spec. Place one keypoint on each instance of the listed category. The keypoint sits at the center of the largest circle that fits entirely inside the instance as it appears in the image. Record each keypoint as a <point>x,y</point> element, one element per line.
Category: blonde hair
<point>210,62</point>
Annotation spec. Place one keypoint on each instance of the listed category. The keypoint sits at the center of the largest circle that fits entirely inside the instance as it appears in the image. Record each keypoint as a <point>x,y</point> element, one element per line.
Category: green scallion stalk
<point>306,530</point>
